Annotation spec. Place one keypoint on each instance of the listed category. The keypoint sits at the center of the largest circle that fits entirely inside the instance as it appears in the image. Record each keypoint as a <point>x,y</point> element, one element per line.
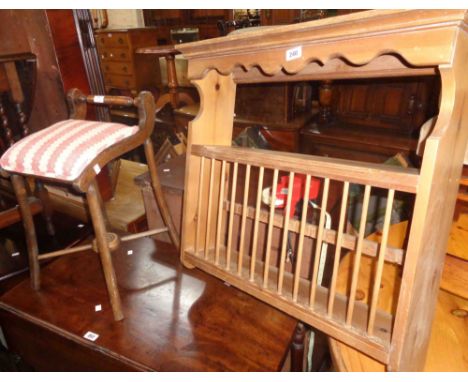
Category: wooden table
<point>175,319</point>
<point>174,95</point>
<point>448,350</point>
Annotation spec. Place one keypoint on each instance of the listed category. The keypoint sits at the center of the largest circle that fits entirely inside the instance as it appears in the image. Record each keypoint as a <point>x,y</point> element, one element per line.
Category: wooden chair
<point>72,152</point>
<point>14,127</point>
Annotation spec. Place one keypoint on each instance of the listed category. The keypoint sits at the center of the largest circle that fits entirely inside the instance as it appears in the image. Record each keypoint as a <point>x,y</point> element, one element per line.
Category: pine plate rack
<point>224,219</point>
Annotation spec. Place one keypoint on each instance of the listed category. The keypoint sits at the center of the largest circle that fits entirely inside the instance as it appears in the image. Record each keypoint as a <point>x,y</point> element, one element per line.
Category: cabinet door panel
<point>279,16</point>
<point>397,104</point>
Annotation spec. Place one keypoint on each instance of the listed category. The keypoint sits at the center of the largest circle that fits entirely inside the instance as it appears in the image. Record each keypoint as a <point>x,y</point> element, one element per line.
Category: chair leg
<point>158,193</point>
<point>30,232</point>
<point>43,195</point>
<point>98,220</point>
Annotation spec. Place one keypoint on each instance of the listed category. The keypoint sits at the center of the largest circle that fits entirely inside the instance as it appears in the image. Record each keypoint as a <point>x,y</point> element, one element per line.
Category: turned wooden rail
<point>379,175</point>
<point>231,233</point>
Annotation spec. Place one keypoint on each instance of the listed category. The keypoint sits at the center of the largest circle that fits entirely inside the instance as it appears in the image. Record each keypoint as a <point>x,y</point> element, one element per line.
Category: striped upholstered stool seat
<point>63,150</point>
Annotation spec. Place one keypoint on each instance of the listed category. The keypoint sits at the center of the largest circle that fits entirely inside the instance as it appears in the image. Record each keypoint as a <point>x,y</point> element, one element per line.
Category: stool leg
<point>158,193</point>
<point>43,196</point>
<point>97,218</point>
<point>102,207</point>
<point>30,232</point>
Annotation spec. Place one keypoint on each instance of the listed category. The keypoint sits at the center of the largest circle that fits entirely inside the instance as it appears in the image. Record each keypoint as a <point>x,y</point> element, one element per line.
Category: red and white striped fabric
<point>63,150</point>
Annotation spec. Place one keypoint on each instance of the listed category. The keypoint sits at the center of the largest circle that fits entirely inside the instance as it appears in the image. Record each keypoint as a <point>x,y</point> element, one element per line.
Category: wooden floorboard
<point>13,251</point>
<point>125,210</point>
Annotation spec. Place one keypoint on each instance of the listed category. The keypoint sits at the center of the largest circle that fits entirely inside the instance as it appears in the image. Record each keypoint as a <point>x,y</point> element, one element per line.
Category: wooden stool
<point>72,152</point>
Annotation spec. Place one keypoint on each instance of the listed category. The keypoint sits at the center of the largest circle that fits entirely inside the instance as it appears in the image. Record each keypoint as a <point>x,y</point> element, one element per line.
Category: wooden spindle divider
<point>199,206</point>
<point>318,244</point>
<point>231,215</point>
<point>357,255</point>
<point>380,261</point>
<point>22,119</point>
<point>219,221</point>
<point>209,209</point>
<point>297,268</point>
<point>270,227</point>
<point>6,128</point>
<point>244,220</point>
<point>338,246</point>
<point>284,240</point>
<point>258,203</point>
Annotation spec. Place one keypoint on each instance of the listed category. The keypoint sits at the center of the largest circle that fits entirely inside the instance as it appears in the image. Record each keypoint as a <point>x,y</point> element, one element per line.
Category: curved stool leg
<point>47,211</point>
<point>30,232</point>
<point>159,195</point>
<point>98,220</point>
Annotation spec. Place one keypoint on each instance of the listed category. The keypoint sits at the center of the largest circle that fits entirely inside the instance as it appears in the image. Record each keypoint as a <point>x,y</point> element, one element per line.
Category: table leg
<point>297,348</point>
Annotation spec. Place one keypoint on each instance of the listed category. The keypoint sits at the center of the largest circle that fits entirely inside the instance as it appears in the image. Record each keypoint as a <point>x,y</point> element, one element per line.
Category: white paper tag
<point>98,99</point>
<point>91,336</point>
<point>294,53</point>
<point>81,225</point>
<point>98,308</point>
<point>130,252</point>
<point>15,254</point>
<point>96,169</point>
<point>166,169</point>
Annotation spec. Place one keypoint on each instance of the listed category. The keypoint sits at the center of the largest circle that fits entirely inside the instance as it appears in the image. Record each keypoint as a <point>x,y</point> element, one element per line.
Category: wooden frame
<point>368,44</point>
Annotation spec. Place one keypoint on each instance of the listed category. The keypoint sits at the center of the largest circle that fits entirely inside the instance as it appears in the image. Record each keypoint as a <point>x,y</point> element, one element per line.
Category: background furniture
<point>204,19</point>
<point>174,96</point>
<point>171,175</point>
<point>344,47</point>
<point>15,109</point>
<point>24,32</point>
<point>371,119</point>
<point>272,106</point>
<point>121,67</point>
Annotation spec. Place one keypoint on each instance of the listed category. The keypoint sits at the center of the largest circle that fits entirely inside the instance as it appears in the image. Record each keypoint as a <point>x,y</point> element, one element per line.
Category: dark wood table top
<point>159,50</point>
<point>175,319</point>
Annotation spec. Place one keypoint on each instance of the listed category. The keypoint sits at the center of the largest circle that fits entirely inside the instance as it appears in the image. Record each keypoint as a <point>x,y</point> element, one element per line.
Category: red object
<point>298,190</point>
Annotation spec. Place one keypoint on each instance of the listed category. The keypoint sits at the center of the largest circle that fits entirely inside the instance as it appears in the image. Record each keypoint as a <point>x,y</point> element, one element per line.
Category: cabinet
<point>275,106</point>
<point>122,69</point>
<point>279,16</point>
<point>280,108</point>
